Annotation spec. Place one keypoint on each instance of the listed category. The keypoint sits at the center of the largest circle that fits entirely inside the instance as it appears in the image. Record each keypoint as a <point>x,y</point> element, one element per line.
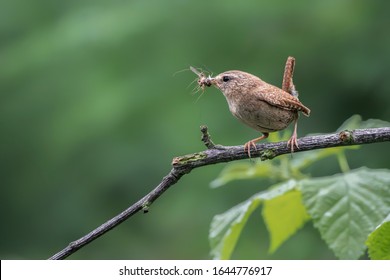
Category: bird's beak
<point>209,81</point>
<point>203,80</point>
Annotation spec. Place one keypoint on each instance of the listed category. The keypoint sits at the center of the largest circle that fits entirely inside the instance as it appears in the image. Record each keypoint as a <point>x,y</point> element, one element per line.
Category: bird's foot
<point>293,142</point>
<point>248,145</point>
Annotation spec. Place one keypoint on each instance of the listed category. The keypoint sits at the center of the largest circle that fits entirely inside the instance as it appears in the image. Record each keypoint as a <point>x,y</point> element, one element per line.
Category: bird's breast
<point>262,116</point>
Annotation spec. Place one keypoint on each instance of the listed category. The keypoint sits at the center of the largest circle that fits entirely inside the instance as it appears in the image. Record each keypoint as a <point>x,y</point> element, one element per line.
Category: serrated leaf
<point>284,215</point>
<point>226,228</point>
<point>378,241</point>
<point>347,207</point>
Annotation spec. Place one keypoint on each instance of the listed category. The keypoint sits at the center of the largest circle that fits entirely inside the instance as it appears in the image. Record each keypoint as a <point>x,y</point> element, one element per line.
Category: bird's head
<point>233,82</point>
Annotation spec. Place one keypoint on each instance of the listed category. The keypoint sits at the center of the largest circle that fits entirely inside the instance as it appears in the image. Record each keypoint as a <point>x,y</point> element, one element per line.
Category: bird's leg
<point>293,140</point>
<point>248,145</point>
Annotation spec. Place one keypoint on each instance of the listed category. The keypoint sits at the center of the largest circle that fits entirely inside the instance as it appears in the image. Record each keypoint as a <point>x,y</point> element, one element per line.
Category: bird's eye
<point>226,79</point>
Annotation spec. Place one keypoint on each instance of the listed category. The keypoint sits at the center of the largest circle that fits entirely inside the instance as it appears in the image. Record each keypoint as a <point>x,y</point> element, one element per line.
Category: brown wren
<point>261,106</point>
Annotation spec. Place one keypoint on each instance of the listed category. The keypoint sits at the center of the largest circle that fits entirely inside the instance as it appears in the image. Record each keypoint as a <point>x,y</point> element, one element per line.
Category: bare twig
<point>217,154</point>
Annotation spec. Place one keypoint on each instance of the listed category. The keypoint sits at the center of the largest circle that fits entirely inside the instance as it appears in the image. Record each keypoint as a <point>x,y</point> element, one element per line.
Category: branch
<point>217,154</point>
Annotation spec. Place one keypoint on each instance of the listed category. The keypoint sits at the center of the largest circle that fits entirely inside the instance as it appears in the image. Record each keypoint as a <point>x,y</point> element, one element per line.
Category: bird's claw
<point>248,145</point>
<point>293,141</point>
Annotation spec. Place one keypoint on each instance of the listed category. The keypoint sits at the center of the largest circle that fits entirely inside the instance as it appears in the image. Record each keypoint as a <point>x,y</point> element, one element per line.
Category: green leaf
<point>299,161</point>
<point>378,241</point>
<point>226,228</point>
<point>347,207</point>
<point>351,123</point>
<point>303,160</point>
<point>356,122</point>
<point>284,215</point>
<point>259,169</point>
<point>243,170</point>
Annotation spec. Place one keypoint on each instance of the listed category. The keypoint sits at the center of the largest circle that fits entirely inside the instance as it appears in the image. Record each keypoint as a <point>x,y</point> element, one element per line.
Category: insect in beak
<point>203,81</point>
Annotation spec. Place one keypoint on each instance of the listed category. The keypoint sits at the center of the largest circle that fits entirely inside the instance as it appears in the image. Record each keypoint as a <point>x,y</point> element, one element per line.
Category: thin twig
<point>217,154</point>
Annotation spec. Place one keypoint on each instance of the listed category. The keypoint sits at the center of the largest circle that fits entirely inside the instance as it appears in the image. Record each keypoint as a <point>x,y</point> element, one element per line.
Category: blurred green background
<point>92,112</point>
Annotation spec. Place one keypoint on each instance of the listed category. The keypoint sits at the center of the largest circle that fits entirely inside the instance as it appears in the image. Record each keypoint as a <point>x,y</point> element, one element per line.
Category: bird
<point>258,104</point>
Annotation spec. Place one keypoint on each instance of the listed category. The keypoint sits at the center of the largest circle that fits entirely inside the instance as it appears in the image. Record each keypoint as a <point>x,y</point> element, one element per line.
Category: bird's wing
<point>279,98</point>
